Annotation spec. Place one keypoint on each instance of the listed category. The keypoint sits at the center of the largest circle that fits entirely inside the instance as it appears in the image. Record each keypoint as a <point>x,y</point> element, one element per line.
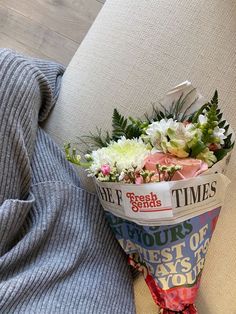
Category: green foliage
<point>133,128</point>
<point>175,111</point>
<point>197,148</point>
<point>121,126</point>
<point>214,118</point>
<point>215,98</point>
<point>71,154</point>
<point>221,153</point>
<point>228,143</point>
<point>157,115</point>
<point>73,157</point>
<point>213,105</point>
<point>210,106</point>
<point>129,128</point>
<point>95,140</point>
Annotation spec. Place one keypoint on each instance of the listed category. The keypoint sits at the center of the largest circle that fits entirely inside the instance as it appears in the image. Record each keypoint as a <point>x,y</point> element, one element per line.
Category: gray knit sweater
<point>57,253</point>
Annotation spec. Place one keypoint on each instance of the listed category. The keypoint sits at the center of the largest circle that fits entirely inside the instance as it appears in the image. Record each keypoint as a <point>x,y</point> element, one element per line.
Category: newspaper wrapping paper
<point>165,228</point>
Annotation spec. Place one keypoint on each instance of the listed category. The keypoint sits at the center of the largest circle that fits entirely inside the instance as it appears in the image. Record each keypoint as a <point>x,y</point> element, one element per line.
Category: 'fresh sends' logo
<point>144,203</point>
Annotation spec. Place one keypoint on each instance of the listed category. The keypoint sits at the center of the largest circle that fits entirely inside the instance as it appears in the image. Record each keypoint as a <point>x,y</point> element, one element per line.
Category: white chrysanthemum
<point>171,136</point>
<point>123,154</point>
<point>219,134</point>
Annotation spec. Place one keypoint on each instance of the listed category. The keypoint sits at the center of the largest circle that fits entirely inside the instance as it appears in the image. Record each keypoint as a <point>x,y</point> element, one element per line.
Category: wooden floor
<point>51,29</point>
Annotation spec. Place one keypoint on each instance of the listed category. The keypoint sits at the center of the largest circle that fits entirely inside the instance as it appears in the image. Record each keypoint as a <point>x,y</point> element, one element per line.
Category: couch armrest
<point>134,52</point>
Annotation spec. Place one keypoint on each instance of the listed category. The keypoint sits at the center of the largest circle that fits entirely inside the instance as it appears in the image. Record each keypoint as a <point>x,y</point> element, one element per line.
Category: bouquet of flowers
<point>161,182</point>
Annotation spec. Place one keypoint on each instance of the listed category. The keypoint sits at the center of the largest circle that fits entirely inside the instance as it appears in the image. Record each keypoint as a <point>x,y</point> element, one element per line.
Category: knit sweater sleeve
<point>57,252</point>
<point>28,91</point>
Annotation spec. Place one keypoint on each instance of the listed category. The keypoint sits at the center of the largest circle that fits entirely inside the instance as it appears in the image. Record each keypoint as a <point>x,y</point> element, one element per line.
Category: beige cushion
<point>136,51</point>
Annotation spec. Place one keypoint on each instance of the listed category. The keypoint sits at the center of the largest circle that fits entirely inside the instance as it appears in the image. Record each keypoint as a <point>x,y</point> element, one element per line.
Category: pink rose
<point>190,167</point>
<point>105,169</point>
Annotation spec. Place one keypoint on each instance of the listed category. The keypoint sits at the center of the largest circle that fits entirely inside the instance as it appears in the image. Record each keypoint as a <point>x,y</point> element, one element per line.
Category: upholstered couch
<point>135,51</point>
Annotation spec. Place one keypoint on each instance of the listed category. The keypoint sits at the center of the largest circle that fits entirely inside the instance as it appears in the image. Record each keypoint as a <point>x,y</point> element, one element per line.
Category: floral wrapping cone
<point>165,229</point>
<point>161,183</point>
<point>170,257</point>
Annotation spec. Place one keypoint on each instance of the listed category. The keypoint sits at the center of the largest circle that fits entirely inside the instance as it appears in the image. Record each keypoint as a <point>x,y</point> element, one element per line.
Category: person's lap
<point>57,253</point>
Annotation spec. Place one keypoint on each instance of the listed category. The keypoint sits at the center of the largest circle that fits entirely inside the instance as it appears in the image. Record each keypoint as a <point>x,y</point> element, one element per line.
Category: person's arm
<point>28,91</point>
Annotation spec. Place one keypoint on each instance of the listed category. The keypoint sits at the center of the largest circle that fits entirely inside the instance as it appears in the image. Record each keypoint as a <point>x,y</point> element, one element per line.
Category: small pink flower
<point>105,169</point>
<point>138,180</point>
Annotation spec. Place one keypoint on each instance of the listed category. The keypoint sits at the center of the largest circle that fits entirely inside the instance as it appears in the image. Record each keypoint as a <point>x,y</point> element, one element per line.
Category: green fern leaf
<point>119,124</point>
<point>123,127</point>
<point>214,100</point>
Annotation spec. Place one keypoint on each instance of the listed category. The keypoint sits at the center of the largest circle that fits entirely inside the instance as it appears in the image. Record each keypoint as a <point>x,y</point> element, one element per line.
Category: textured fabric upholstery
<point>134,52</point>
